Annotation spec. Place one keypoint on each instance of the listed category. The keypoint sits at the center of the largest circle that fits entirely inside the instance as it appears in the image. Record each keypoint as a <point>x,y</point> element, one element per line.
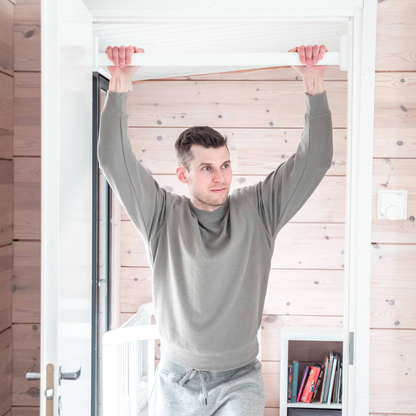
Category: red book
<point>310,384</point>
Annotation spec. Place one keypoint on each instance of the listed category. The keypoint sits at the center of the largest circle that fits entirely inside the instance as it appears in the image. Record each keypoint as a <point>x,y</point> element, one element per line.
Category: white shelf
<point>300,333</point>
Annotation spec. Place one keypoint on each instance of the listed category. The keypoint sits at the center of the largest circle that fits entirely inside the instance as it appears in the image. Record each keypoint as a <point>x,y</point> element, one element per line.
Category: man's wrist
<point>119,84</point>
<point>314,85</point>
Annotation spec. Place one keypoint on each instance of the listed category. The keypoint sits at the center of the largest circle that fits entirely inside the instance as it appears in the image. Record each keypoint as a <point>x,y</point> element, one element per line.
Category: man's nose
<point>218,176</point>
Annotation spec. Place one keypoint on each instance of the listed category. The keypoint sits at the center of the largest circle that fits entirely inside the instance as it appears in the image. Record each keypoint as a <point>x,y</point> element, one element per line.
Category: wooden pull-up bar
<point>269,59</point>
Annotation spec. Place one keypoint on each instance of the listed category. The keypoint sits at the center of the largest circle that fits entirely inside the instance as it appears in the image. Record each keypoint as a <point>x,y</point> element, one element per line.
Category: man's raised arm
<point>285,190</point>
<point>140,194</point>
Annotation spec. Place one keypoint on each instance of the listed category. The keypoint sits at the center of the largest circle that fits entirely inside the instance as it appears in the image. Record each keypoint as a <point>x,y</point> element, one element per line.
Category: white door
<point>66,240</point>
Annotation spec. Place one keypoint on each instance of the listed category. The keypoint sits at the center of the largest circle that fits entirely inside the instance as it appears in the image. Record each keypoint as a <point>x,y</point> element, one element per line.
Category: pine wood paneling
<point>27,33</point>
<point>6,202</point>
<point>26,357</point>
<point>26,282</point>
<point>281,73</point>
<point>6,272</point>
<point>395,95</point>
<point>395,174</point>
<point>6,368</point>
<point>392,374</point>
<point>6,37</point>
<point>6,115</point>
<point>26,411</point>
<point>27,128</point>
<point>298,246</point>
<point>27,198</point>
<point>393,286</point>
<point>289,292</point>
<point>261,104</point>
<point>155,148</point>
<point>327,203</point>
<point>396,35</point>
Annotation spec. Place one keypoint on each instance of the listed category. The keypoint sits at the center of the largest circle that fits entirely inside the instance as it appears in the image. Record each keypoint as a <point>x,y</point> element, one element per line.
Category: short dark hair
<point>203,135</point>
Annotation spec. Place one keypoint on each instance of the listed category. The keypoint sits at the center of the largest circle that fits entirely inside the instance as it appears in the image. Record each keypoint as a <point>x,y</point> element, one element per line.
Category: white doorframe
<point>361,86</point>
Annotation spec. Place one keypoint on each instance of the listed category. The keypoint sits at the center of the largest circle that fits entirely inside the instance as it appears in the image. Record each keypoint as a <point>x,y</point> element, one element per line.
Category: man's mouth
<point>219,190</point>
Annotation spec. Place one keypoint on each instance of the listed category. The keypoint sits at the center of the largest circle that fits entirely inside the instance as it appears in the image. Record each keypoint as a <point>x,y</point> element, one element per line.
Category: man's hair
<point>203,135</point>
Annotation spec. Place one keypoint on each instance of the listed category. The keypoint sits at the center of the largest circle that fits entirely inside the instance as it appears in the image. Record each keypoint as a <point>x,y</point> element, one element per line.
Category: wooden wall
<point>393,315</point>
<point>7,10</point>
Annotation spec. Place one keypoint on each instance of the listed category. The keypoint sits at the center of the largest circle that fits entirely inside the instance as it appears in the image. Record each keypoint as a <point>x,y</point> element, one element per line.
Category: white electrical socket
<point>392,205</point>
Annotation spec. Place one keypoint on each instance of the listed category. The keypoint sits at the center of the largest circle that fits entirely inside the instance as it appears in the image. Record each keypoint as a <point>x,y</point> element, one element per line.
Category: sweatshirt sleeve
<point>140,194</point>
<point>285,190</point>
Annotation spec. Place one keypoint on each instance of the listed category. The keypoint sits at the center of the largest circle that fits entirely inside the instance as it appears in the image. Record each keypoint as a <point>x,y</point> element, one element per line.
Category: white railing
<point>129,364</point>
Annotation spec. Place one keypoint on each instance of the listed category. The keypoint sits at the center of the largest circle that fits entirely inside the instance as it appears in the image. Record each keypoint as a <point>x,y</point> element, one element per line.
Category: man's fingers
<point>315,52</point>
<point>115,55</point>
<point>109,51</point>
<point>129,54</point>
<point>308,54</point>
<point>122,56</point>
<point>302,56</point>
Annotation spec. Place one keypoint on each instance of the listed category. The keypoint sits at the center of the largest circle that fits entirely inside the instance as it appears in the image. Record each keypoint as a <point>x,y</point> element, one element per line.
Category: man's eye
<point>225,164</point>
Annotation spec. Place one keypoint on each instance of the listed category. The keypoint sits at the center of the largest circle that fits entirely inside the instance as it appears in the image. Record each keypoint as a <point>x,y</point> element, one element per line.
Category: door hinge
<point>351,348</point>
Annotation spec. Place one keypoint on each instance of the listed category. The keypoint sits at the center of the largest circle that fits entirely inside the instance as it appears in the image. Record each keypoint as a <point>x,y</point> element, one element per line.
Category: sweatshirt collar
<point>204,215</point>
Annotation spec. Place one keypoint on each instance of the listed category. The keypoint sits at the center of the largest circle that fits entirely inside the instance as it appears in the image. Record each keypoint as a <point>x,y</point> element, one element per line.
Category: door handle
<point>68,376</point>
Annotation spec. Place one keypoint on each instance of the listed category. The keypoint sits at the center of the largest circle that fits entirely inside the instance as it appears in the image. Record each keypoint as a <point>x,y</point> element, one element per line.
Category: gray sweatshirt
<point>210,269</point>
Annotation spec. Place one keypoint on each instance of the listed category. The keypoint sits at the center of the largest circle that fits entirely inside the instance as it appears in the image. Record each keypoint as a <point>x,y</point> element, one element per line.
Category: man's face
<point>210,170</point>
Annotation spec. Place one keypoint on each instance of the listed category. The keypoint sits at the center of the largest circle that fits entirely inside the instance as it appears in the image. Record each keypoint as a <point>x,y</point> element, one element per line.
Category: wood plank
<point>25,411</point>
<point>394,126</point>
<point>6,368</point>
<point>6,37</point>
<point>393,286</point>
<point>327,203</point>
<point>6,274</point>
<point>281,73</point>
<point>272,324</point>
<point>27,198</point>
<point>298,246</point>
<point>154,147</point>
<point>305,292</point>
<point>394,174</point>
<point>395,94</point>
<point>27,52</point>
<point>6,201</point>
<point>396,37</point>
<point>27,124</point>
<point>26,282</point>
<point>392,375</point>
<point>7,115</point>
<point>26,358</point>
<point>289,292</point>
<point>261,104</point>
<point>309,246</point>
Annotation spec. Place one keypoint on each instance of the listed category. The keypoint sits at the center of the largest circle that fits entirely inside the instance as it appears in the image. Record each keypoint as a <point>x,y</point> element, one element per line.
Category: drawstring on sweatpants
<point>202,375</point>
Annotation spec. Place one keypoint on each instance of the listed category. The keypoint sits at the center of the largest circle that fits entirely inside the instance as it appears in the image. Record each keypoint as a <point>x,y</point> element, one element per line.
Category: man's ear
<point>181,174</point>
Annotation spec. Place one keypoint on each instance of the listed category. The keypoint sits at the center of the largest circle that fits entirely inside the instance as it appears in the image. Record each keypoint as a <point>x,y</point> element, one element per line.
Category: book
<point>328,377</point>
<point>302,384</point>
<point>331,384</point>
<point>319,382</point>
<point>310,384</point>
<point>295,381</point>
<point>289,382</point>
<point>325,378</point>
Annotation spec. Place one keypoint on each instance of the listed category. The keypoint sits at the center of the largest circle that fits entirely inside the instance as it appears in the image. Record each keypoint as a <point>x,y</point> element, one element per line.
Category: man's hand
<point>121,74</point>
<point>309,56</point>
<point>312,74</point>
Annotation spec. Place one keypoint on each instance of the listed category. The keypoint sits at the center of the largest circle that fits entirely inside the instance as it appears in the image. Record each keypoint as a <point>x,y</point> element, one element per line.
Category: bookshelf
<point>307,345</point>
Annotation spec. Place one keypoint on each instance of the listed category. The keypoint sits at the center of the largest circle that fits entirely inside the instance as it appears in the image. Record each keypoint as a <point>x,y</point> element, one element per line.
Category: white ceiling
<point>219,38</point>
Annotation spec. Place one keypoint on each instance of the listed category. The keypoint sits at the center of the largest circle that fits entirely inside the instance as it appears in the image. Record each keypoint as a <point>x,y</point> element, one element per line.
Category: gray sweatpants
<point>184,391</point>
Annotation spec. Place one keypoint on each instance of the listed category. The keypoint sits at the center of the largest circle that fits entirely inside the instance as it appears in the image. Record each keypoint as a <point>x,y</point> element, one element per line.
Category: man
<point>211,254</point>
